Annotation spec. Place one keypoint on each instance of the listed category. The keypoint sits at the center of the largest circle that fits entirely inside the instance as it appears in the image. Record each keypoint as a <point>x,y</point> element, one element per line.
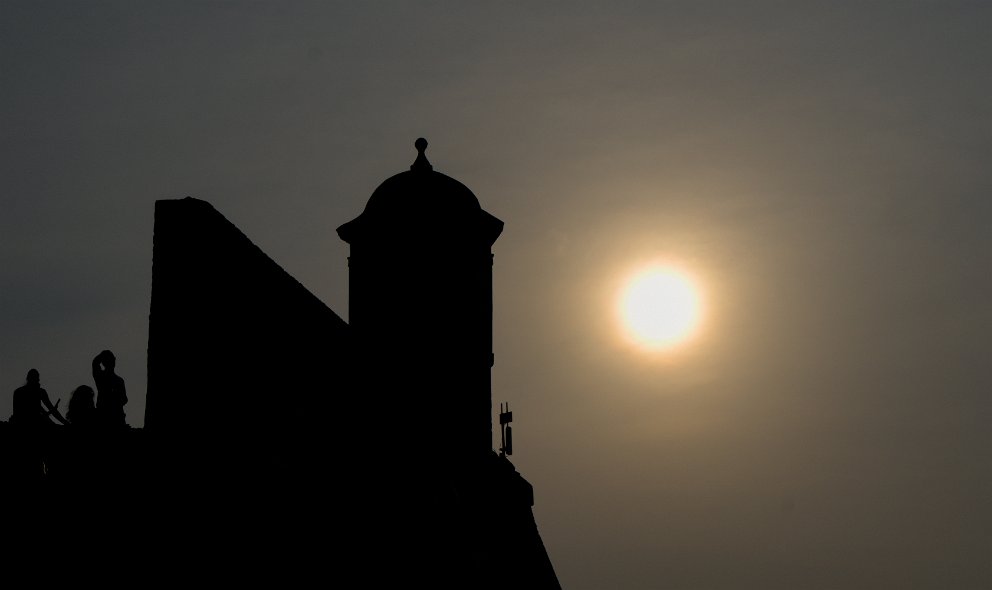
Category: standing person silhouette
<point>31,419</point>
<point>32,406</point>
<point>111,395</point>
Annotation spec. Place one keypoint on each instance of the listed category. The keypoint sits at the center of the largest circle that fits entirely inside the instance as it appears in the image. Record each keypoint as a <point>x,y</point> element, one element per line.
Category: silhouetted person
<point>32,406</point>
<point>80,451</point>
<point>33,426</point>
<point>111,395</point>
<point>82,408</point>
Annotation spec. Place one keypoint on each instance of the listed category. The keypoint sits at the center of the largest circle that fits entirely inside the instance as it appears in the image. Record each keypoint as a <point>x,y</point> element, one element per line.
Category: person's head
<point>108,359</point>
<point>82,396</point>
<point>33,377</point>
<point>80,402</point>
<point>83,393</point>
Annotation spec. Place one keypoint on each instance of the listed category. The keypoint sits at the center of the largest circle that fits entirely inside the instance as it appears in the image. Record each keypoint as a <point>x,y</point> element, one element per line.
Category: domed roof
<point>420,198</point>
<point>421,188</point>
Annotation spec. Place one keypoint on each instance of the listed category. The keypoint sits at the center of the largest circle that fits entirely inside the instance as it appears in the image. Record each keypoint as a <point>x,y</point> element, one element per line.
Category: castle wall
<point>273,430</point>
<point>241,357</point>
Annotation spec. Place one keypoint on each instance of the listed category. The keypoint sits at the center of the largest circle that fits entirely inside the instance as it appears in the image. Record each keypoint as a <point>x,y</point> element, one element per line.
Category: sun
<point>660,307</point>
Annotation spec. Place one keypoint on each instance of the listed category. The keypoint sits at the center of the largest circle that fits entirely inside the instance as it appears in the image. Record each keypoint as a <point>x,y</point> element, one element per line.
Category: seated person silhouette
<point>111,395</point>
<point>82,408</point>
<point>82,456</point>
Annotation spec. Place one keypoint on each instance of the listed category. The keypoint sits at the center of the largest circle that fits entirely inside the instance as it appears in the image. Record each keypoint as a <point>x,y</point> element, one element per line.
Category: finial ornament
<point>421,162</point>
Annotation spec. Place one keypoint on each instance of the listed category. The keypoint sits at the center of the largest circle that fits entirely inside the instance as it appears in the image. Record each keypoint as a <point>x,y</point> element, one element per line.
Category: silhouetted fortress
<point>282,439</point>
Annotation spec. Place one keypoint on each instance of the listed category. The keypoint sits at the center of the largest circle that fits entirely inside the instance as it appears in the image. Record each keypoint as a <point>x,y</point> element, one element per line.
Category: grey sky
<point>823,169</point>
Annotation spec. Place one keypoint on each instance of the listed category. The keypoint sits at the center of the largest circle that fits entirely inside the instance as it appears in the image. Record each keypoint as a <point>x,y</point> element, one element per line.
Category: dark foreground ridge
<point>285,445</point>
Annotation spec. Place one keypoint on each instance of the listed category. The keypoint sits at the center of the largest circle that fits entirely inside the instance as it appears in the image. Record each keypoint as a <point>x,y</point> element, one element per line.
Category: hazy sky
<point>823,170</point>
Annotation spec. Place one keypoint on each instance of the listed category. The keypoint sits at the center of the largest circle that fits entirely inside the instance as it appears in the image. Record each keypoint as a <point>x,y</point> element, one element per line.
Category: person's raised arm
<point>97,369</point>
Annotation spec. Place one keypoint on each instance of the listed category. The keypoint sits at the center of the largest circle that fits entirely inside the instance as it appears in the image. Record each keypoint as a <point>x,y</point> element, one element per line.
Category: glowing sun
<point>660,307</point>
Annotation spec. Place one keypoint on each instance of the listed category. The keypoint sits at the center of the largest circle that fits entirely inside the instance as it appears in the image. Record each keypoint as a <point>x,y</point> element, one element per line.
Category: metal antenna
<point>505,430</point>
